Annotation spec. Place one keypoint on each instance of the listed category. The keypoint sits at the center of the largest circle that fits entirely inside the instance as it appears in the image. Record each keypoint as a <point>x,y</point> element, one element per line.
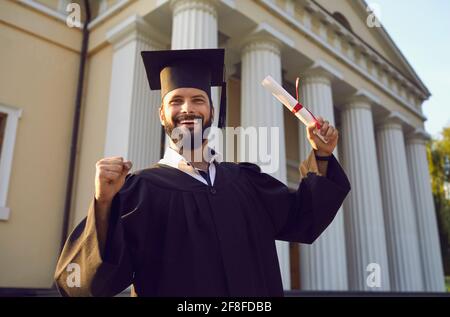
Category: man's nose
<point>186,107</point>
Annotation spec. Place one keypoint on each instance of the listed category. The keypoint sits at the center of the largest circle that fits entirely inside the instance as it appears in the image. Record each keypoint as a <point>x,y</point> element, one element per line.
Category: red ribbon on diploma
<point>297,108</point>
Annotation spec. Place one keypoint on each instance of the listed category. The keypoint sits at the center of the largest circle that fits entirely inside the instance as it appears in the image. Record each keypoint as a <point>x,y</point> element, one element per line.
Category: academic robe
<point>172,235</point>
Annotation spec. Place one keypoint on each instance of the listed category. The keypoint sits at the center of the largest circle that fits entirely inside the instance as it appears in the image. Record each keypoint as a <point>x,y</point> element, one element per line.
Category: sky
<point>421,30</point>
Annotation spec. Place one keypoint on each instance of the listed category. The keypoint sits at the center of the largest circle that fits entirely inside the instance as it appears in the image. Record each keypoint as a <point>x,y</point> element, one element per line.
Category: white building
<point>385,236</point>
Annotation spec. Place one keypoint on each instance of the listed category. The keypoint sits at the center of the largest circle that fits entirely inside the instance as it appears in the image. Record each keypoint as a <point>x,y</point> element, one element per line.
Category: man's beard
<point>177,131</point>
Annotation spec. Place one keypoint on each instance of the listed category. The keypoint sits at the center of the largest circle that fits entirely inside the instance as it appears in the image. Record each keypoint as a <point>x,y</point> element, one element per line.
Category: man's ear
<point>161,115</point>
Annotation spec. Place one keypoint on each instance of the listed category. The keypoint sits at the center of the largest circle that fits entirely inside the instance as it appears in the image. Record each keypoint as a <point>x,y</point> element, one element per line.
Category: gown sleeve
<point>104,272</point>
<point>301,215</point>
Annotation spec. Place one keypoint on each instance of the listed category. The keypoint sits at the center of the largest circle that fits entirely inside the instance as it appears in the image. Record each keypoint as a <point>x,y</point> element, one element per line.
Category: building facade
<point>385,236</point>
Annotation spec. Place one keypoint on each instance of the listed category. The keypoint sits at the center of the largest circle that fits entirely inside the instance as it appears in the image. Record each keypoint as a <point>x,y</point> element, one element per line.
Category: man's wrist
<point>102,207</point>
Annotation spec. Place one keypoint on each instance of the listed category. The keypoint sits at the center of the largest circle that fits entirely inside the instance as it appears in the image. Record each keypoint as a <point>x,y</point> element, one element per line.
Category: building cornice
<point>353,40</point>
<point>132,28</point>
<point>382,31</point>
<point>120,5</point>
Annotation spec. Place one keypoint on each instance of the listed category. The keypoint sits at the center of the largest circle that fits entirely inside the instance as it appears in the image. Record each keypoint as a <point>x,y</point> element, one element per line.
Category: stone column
<point>399,215</point>
<point>194,24</point>
<point>430,252</point>
<point>323,264</point>
<point>364,223</point>
<point>133,127</point>
<point>261,57</point>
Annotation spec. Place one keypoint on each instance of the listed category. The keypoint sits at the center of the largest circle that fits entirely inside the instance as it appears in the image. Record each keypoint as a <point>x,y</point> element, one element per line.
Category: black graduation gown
<point>172,235</point>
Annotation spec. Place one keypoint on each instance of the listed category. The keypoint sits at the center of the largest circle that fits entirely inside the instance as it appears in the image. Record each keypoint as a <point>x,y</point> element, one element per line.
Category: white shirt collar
<point>173,159</point>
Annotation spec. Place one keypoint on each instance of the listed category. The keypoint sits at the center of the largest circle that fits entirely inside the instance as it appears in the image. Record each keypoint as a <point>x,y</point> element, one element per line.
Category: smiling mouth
<point>189,121</point>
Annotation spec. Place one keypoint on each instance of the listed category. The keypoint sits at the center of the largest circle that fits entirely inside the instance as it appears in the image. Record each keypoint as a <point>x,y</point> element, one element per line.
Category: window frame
<point>6,156</point>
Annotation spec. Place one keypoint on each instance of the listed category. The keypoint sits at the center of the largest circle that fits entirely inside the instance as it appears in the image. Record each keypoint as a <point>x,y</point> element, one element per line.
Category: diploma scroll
<point>292,104</point>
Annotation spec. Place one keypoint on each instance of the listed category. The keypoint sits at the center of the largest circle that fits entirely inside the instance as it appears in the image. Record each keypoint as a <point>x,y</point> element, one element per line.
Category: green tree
<point>438,151</point>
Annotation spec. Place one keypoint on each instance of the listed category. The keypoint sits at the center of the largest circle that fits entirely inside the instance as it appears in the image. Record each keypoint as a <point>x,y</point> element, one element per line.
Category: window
<point>9,117</point>
<point>3,117</point>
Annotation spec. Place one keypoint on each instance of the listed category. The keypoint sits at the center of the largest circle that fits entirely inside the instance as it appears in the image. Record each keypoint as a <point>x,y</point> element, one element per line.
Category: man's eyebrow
<point>196,96</point>
<point>180,96</point>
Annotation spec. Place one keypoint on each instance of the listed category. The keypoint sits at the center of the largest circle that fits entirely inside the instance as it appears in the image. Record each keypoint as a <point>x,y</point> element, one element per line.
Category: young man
<point>189,227</point>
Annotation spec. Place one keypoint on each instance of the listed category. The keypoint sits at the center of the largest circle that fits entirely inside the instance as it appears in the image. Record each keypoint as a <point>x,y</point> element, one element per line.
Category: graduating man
<point>186,227</point>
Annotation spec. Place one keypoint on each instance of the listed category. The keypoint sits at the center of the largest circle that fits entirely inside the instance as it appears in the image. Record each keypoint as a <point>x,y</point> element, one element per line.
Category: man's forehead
<point>186,93</point>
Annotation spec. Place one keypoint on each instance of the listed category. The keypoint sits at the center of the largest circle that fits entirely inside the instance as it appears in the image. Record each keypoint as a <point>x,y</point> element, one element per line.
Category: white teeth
<point>190,121</point>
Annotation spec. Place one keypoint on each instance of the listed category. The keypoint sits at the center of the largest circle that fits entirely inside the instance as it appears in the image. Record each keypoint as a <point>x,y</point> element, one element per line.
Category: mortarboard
<point>195,68</point>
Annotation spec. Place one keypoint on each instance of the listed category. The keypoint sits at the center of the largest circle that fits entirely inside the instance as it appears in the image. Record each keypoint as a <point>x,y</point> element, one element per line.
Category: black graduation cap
<point>195,68</point>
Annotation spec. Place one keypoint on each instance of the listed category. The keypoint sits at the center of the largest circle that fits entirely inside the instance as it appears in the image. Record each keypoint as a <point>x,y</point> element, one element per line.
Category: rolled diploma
<point>291,103</point>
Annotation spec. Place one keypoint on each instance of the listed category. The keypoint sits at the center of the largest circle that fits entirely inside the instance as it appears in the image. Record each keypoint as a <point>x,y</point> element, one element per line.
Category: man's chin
<point>195,139</point>
<point>194,133</point>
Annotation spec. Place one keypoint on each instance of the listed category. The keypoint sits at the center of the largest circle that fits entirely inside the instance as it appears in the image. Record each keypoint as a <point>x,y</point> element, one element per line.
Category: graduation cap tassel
<point>223,106</point>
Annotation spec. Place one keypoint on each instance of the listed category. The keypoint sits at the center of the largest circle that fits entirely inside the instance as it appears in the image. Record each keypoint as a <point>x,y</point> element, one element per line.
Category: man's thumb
<point>127,166</point>
<point>311,127</point>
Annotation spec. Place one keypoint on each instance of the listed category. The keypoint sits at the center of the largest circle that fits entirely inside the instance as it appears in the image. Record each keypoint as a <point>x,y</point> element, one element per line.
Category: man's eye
<point>176,101</point>
<point>199,100</point>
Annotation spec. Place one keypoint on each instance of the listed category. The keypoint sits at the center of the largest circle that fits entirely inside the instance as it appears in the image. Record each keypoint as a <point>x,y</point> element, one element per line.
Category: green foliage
<point>447,283</point>
<point>438,151</point>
